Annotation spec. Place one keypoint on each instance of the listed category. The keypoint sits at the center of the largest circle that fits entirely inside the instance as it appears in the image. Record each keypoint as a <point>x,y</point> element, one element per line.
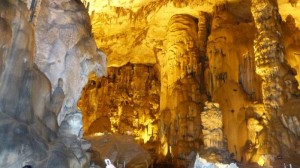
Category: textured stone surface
<point>124,102</point>
<point>224,50</point>
<point>206,53</point>
<point>230,77</point>
<point>29,130</point>
<point>180,126</point>
<point>66,49</point>
<point>166,59</point>
<point>135,26</point>
<point>200,162</point>
<point>271,65</point>
<point>122,150</point>
<point>212,123</point>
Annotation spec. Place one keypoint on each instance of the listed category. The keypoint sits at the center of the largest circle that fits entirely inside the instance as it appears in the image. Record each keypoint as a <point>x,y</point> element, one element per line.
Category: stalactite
<point>127,98</point>
<point>247,75</point>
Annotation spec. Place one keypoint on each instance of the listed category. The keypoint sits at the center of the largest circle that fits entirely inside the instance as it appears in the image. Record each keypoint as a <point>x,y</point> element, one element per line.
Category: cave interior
<point>149,83</point>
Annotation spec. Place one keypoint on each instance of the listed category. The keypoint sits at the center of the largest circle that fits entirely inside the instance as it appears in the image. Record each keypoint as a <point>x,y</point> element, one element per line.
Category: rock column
<point>180,90</point>
<point>272,67</point>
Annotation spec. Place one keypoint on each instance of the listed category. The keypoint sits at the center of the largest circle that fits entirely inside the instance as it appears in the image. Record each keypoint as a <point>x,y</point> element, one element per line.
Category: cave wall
<point>230,77</point>
<point>124,102</point>
<point>244,64</point>
<point>68,52</point>
<point>208,51</point>
<point>30,103</point>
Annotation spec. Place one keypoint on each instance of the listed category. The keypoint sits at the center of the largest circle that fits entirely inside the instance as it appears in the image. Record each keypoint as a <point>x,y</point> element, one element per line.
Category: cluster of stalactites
<point>181,48</point>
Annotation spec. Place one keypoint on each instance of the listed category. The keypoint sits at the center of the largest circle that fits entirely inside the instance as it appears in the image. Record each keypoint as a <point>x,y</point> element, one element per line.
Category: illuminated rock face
<point>125,28</point>
<point>223,52</point>
<point>211,119</point>
<point>180,90</point>
<point>269,55</point>
<point>230,77</point>
<point>278,77</point>
<point>181,58</point>
<point>124,102</point>
<point>269,60</point>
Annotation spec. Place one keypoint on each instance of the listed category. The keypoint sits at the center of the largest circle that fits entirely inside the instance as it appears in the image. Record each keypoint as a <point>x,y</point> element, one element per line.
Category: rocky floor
<point>120,149</point>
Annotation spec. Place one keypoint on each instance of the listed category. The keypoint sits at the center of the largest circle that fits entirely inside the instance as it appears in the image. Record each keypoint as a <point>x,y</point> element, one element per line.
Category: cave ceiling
<point>134,30</point>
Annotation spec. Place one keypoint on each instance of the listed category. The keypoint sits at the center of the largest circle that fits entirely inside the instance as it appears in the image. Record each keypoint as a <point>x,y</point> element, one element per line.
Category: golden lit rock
<point>211,119</point>
<point>124,102</point>
<point>150,83</point>
<point>242,55</point>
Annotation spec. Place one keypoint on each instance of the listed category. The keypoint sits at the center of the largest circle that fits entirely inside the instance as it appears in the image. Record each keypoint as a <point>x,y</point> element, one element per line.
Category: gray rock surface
<point>66,49</point>
<point>29,130</point>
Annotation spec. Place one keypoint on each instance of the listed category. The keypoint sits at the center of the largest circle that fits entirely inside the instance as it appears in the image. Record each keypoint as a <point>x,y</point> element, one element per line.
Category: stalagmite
<point>180,89</point>
<point>272,67</point>
<point>211,119</point>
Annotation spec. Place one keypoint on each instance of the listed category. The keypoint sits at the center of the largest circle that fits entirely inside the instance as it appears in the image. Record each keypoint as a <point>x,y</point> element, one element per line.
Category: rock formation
<point>276,73</point>
<point>29,129</point>
<point>180,90</point>
<point>211,119</point>
<point>230,77</point>
<point>68,52</point>
<point>124,102</point>
<point>210,51</point>
<point>221,52</point>
<point>122,150</point>
<point>200,162</point>
<point>185,77</point>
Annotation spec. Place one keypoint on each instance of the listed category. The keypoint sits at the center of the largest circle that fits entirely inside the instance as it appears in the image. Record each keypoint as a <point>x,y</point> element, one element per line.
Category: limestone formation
<point>277,75</point>
<point>180,90</point>
<point>211,119</point>
<point>230,77</point>
<point>121,150</point>
<point>66,49</point>
<point>200,50</point>
<point>29,129</point>
<point>57,98</point>
<point>200,162</point>
<point>254,128</point>
<point>125,102</point>
<point>292,123</point>
<point>218,78</point>
<point>247,76</point>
